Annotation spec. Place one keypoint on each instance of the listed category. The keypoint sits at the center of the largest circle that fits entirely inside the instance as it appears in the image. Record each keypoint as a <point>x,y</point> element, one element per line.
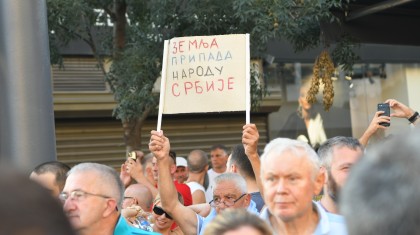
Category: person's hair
<point>239,158</point>
<point>298,149</point>
<point>382,192</point>
<point>325,151</point>
<point>239,181</point>
<point>58,169</point>
<point>105,175</point>
<point>172,154</point>
<point>199,164</point>
<point>141,193</point>
<point>180,199</point>
<point>28,208</point>
<point>145,160</point>
<point>220,146</point>
<point>232,219</point>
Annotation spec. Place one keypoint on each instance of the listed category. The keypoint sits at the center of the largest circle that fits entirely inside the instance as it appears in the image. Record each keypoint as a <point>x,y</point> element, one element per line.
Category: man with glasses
<point>92,198</point>
<point>230,190</point>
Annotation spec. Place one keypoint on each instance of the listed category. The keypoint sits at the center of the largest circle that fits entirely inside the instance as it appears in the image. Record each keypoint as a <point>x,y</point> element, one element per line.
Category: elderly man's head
<point>92,197</point>
<point>290,177</point>
<point>230,191</point>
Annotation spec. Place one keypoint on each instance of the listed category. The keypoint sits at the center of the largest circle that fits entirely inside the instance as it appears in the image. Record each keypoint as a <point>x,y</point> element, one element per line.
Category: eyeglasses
<point>159,211</point>
<point>77,195</point>
<point>127,198</point>
<point>227,201</point>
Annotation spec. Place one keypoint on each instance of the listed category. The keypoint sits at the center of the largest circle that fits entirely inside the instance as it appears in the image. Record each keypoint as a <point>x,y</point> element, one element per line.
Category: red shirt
<point>185,191</point>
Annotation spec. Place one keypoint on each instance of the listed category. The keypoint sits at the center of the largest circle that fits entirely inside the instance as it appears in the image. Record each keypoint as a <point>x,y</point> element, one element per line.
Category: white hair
<point>298,149</point>
<point>106,175</point>
<point>239,181</point>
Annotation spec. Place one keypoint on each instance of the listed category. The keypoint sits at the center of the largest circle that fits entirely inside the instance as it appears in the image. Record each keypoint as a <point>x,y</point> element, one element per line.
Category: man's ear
<point>173,169</point>
<point>149,171</point>
<point>319,181</point>
<point>233,168</point>
<point>111,207</point>
<point>323,170</point>
<point>247,199</point>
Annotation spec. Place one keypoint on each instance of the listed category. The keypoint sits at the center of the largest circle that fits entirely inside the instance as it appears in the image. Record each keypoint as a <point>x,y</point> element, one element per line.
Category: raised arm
<point>374,127</point>
<point>185,217</point>
<point>250,137</point>
<point>135,169</point>
<point>202,209</point>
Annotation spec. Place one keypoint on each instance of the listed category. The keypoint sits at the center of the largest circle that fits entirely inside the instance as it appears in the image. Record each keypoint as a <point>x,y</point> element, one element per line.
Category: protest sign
<point>205,74</point>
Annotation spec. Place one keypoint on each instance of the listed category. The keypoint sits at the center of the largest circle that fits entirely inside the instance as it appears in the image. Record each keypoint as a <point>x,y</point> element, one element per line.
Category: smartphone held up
<point>132,155</point>
<point>385,108</point>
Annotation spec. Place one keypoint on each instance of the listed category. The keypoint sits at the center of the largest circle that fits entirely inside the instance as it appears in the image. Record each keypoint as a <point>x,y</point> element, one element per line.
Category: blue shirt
<point>123,228</point>
<point>259,201</point>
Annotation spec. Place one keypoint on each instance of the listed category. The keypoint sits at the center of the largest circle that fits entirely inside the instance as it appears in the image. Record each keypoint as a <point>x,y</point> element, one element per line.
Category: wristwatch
<point>413,118</point>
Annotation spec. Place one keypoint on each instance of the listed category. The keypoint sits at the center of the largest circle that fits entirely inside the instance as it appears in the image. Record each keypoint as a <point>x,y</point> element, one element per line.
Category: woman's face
<point>161,222</point>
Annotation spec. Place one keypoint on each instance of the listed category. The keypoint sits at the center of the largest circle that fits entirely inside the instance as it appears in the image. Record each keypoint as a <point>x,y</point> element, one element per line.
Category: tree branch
<point>110,13</point>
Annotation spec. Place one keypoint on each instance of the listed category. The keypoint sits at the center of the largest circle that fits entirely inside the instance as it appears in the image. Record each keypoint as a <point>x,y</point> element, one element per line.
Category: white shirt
<point>209,192</point>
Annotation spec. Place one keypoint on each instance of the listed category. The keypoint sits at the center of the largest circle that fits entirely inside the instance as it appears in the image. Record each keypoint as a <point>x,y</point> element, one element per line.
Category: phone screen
<point>384,107</point>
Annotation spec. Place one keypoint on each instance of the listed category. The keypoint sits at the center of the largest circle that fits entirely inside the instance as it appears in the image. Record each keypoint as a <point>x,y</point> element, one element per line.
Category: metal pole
<point>27,134</point>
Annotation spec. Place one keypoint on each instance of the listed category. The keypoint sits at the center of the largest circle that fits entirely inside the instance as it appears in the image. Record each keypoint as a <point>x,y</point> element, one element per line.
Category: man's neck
<point>328,203</point>
<point>219,170</point>
<point>94,230</point>
<point>105,226</point>
<point>194,177</point>
<point>251,186</point>
<point>305,224</point>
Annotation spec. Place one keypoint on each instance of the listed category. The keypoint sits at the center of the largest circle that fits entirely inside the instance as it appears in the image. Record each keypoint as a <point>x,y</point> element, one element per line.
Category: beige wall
<point>413,86</point>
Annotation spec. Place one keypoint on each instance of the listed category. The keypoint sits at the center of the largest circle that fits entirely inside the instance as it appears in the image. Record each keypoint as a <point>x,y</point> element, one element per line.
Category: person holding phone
<point>374,127</point>
<point>400,111</point>
<point>403,111</point>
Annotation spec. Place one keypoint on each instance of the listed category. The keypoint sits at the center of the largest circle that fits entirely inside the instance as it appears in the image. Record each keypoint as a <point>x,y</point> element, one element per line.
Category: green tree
<point>134,40</point>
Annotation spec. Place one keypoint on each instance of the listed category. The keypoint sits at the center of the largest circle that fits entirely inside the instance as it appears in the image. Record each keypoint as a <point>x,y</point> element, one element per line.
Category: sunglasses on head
<point>159,211</point>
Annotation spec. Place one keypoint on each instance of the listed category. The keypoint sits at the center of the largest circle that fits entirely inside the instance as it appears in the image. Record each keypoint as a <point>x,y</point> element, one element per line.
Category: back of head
<point>28,208</point>
<point>107,178</point>
<point>298,149</point>
<point>142,194</point>
<point>146,160</point>
<point>172,154</point>
<point>382,193</point>
<point>197,161</point>
<point>239,158</point>
<point>58,169</point>
<point>233,219</point>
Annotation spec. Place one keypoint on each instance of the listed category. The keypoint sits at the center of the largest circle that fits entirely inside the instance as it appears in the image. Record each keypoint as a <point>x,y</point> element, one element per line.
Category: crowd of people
<point>291,188</point>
